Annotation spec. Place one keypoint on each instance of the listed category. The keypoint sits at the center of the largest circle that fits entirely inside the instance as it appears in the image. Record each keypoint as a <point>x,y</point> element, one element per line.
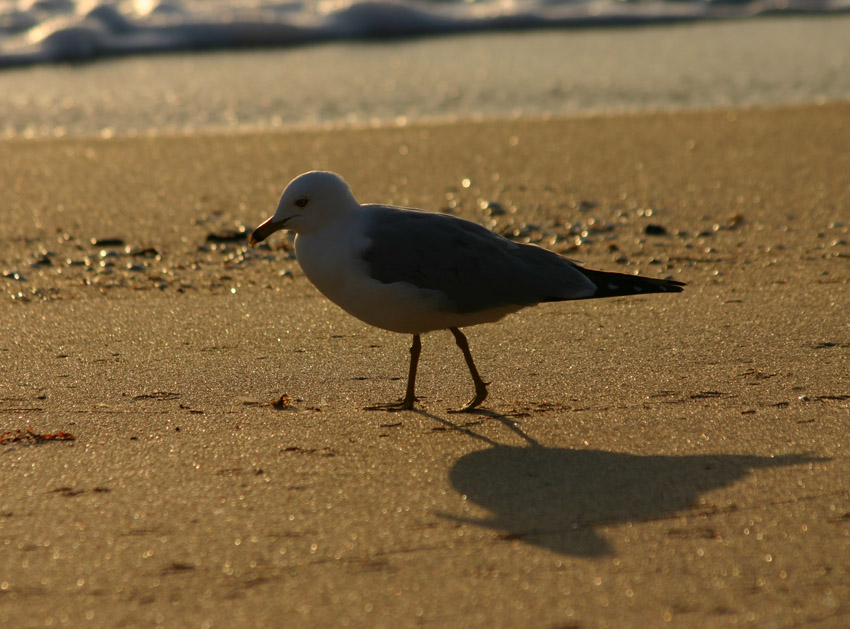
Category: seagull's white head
<point>310,202</point>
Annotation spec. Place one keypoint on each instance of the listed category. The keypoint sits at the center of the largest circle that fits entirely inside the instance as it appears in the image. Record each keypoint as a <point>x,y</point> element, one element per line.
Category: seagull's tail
<point>620,284</point>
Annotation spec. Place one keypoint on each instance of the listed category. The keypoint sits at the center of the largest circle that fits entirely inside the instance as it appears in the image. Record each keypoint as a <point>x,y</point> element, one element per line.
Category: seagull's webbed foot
<point>480,396</point>
<point>393,407</point>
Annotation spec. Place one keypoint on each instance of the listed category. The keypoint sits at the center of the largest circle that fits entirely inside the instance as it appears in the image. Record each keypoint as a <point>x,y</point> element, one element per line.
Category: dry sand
<point>670,460</point>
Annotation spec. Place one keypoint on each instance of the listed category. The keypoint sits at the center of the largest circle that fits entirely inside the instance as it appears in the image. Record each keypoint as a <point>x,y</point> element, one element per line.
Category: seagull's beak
<point>266,229</point>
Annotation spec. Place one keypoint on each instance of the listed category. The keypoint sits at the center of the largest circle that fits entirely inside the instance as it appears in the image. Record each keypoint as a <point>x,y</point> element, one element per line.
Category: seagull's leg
<point>480,385</point>
<point>415,350</point>
<point>409,396</point>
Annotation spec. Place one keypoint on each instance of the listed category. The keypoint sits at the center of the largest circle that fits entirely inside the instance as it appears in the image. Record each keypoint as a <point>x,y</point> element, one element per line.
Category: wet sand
<point>725,63</point>
<point>667,460</point>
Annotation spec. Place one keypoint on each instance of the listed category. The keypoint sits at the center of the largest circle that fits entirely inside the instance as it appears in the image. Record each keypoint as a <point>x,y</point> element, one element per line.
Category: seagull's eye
<point>301,202</point>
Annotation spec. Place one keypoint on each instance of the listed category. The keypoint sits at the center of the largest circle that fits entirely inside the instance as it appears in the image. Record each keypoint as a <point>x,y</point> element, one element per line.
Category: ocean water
<point>40,31</point>
<point>142,67</point>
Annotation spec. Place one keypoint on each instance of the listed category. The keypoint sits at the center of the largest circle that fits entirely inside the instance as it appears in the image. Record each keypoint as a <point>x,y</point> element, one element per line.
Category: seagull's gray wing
<point>474,268</point>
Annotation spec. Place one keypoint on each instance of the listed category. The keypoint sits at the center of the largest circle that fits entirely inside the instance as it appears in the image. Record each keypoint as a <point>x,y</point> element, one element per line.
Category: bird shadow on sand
<point>558,498</point>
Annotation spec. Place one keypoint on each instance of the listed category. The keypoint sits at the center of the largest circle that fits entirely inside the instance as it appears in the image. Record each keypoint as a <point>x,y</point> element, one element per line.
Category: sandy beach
<point>198,456</point>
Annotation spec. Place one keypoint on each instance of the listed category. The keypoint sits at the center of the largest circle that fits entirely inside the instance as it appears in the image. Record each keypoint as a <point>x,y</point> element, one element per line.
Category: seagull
<point>412,271</point>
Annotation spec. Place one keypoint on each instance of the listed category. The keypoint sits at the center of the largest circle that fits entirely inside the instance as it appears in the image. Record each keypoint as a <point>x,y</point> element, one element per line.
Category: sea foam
<point>45,31</point>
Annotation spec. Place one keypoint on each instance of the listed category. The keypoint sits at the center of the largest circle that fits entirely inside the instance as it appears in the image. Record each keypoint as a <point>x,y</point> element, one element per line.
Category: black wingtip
<point>620,284</point>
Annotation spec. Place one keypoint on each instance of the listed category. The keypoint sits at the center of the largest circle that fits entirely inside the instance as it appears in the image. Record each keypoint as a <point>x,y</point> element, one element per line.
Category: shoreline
<point>436,122</point>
